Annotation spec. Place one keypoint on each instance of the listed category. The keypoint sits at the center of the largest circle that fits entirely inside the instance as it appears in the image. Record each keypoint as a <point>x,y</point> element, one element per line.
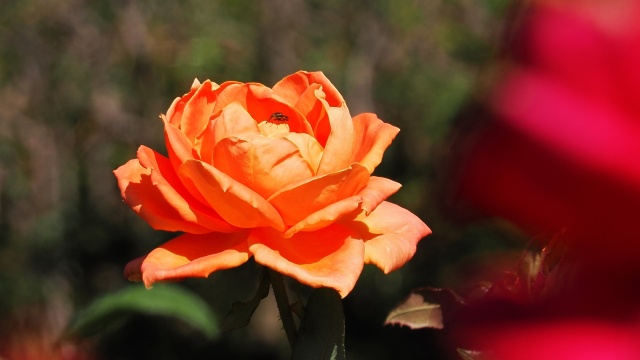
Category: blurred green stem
<point>282,299</point>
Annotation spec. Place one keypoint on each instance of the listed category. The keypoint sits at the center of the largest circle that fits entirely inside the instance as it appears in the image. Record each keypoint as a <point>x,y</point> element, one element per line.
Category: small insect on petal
<point>278,116</point>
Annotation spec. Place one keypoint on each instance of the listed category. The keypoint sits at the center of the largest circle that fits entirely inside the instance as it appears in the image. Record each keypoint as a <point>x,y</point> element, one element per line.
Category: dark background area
<point>82,84</point>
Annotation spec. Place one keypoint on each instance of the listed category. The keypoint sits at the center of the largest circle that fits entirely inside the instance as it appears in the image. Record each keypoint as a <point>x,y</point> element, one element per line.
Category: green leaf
<point>165,300</point>
<point>321,334</point>
<point>241,312</point>
<point>416,313</point>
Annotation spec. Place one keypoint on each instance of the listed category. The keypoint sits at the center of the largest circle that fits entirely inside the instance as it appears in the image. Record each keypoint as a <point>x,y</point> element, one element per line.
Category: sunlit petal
<point>299,200</point>
<point>373,137</point>
<point>150,187</point>
<point>330,257</point>
<point>190,255</point>
<point>235,203</point>
<point>391,235</point>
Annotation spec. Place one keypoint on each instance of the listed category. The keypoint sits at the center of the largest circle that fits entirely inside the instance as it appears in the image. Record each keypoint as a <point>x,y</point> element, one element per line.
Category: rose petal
<point>165,176</point>
<point>299,200</point>
<point>310,150</point>
<point>261,103</point>
<point>313,106</point>
<point>327,215</point>
<point>190,255</point>
<point>174,114</point>
<point>340,144</point>
<point>291,87</point>
<point>233,121</point>
<point>205,143</point>
<point>148,185</point>
<point>235,203</point>
<point>179,148</point>
<point>372,138</point>
<point>330,257</point>
<point>391,234</point>
<point>263,164</point>
<point>232,93</point>
<point>198,109</point>
<point>377,190</point>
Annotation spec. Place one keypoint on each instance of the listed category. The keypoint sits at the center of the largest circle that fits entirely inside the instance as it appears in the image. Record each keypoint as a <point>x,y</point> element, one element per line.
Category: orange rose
<point>282,174</point>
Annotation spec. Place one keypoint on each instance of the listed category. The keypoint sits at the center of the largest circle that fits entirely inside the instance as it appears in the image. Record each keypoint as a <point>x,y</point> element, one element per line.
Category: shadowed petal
<point>235,203</point>
<point>372,138</point>
<point>391,234</point>
<point>190,255</point>
<point>313,106</point>
<point>330,257</point>
<point>150,187</point>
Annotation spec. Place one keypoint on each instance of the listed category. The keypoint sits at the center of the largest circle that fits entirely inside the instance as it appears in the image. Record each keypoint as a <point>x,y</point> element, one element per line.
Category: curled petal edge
<point>190,255</point>
<point>391,235</point>
<point>330,257</point>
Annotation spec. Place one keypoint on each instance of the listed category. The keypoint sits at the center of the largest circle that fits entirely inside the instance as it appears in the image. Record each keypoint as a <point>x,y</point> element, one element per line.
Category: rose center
<point>270,128</point>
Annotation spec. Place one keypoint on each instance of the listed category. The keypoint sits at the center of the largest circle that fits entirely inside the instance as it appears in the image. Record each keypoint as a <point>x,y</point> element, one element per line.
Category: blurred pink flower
<point>566,151</point>
<point>584,339</point>
<point>564,154</point>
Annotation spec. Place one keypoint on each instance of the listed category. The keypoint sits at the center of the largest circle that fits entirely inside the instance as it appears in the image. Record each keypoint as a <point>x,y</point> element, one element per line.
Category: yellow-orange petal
<point>198,109</point>
<point>190,255</point>
<point>391,234</point>
<point>340,143</point>
<point>330,257</point>
<point>298,200</point>
<point>377,190</point>
<point>233,121</point>
<point>310,149</point>
<point>372,138</point>
<point>144,187</point>
<point>291,87</point>
<point>236,203</point>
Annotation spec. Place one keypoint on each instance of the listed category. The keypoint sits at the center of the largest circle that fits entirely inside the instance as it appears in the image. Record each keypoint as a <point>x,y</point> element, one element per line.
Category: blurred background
<point>81,87</point>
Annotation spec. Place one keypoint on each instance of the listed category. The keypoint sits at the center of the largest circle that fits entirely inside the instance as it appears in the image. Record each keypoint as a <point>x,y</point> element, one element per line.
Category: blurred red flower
<point>564,154</point>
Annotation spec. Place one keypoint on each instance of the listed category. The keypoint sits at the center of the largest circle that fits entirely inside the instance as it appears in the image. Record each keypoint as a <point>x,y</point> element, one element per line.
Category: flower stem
<point>282,299</point>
